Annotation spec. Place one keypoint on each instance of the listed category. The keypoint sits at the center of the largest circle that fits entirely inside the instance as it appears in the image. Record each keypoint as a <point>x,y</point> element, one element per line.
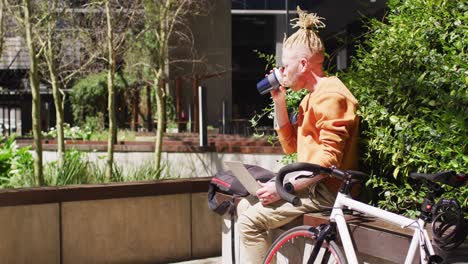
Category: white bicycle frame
<point>420,237</point>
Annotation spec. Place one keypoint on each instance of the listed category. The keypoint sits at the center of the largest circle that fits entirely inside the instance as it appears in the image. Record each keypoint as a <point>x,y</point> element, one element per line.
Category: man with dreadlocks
<point>325,134</point>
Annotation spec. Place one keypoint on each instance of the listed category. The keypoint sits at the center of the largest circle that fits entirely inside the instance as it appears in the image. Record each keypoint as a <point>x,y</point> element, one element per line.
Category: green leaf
<point>394,119</point>
<point>421,77</point>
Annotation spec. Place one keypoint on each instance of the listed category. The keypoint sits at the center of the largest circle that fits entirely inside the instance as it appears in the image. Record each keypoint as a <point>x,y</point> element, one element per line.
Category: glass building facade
<point>260,26</point>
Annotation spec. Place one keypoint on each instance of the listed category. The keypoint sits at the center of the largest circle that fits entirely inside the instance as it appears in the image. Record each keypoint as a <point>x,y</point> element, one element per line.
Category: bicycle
<point>322,239</point>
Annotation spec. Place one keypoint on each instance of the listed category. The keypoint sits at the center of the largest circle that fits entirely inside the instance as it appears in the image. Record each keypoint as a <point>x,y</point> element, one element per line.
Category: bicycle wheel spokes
<point>295,246</point>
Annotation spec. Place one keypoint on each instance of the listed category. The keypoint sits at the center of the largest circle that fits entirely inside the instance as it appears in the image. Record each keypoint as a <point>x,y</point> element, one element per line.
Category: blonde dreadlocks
<point>307,35</point>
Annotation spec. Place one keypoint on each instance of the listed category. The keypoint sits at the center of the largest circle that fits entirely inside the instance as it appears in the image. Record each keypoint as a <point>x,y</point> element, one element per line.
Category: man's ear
<point>304,63</point>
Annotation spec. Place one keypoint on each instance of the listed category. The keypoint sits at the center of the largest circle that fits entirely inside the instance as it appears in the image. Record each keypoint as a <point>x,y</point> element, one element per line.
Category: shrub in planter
<point>16,164</point>
<point>88,96</point>
<point>69,132</point>
<point>410,77</point>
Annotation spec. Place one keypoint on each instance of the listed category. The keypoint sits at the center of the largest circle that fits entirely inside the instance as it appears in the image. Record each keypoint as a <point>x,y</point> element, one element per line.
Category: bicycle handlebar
<point>286,191</point>
<point>446,177</point>
<point>299,166</point>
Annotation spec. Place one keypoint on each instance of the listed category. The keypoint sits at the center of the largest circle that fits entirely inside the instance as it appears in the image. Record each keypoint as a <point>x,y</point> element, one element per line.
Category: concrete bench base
<point>226,240</point>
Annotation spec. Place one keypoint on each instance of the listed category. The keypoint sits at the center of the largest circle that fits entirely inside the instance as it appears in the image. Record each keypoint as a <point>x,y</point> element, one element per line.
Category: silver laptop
<point>244,176</point>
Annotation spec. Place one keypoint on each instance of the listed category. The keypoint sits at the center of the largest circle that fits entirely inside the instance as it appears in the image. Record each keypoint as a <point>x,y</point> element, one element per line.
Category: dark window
<point>273,4</point>
<point>250,33</point>
<point>10,120</point>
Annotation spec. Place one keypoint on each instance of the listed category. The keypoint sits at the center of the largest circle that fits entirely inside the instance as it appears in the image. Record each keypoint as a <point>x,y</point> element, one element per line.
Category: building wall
<point>212,44</point>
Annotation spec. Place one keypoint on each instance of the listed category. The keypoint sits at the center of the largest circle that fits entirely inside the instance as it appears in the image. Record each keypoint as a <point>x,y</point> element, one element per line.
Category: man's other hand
<point>267,193</point>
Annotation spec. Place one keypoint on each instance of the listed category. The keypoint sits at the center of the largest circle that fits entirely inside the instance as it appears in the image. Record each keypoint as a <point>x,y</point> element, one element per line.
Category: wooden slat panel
<point>372,236</point>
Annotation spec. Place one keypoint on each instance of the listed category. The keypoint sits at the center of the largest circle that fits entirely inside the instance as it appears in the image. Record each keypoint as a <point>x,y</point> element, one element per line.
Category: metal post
<point>202,116</point>
<point>196,107</point>
<point>9,120</point>
<point>224,117</point>
<point>189,122</point>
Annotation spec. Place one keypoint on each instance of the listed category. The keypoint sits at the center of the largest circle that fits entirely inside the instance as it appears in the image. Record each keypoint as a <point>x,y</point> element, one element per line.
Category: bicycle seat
<point>447,177</point>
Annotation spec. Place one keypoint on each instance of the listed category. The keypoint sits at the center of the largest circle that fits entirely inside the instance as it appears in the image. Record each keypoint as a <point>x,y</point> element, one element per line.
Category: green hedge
<point>88,95</point>
<point>410,77</point>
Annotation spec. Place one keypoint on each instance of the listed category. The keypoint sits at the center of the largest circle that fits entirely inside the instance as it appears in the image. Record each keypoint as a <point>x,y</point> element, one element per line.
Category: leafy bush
<point>16,164</point>
<point>75,170</point>
<point>69,132</point>
<point>78,169</point>
<point>16,169</point>
<point>410,77</point>
<point>88,96</point>
<point>94,123</point>
<point>146,172</point>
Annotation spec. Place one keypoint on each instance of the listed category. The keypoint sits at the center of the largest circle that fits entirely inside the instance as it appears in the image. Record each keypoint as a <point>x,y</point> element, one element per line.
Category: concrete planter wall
<point>150,222</point>
<point>181,165</point>
<point>183,157</point>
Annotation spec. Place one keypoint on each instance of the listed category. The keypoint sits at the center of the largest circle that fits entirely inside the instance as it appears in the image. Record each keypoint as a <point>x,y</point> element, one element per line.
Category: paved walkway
<point>215,260</point>
<point>458,256</point>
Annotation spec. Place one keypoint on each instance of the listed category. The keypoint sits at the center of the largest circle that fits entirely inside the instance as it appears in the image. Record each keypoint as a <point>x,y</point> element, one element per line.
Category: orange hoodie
<point>326,132</point>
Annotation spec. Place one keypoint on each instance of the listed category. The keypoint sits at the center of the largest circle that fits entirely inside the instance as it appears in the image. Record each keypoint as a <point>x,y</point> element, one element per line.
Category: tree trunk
<point>135,99</point>
<point>59,119</point>
<point>111,101</point>
<point>36,99</point>
<point>160,106</point>
<point>149,111</point>
<point>58,102</point>
<point>162,86</point>
<point>196,116</point>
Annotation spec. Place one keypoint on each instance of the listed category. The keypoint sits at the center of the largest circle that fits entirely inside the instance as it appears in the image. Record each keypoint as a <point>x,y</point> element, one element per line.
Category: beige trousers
<point>254,219</point>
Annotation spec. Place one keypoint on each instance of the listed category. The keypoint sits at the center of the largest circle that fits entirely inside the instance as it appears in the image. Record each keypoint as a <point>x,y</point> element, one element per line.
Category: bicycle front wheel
<point>296,245</point>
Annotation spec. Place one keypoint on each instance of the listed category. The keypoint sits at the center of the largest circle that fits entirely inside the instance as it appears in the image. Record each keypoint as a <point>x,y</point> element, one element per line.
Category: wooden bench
<point>375,241</point>
<point>378,241</point>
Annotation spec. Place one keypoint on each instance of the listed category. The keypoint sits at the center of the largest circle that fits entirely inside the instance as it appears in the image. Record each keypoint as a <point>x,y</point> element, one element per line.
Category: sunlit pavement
<point>457,256</point>
<point>215,260</point>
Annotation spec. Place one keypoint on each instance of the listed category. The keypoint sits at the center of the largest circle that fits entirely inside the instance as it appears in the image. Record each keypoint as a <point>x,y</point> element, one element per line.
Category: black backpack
<point>226,183</point>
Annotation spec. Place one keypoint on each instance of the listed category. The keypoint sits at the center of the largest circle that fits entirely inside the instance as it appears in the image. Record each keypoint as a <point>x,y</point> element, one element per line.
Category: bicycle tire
<point>330,252</point>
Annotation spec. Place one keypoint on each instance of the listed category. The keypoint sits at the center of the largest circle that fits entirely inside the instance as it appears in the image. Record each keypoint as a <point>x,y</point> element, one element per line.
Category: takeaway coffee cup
<point>271,82</point>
